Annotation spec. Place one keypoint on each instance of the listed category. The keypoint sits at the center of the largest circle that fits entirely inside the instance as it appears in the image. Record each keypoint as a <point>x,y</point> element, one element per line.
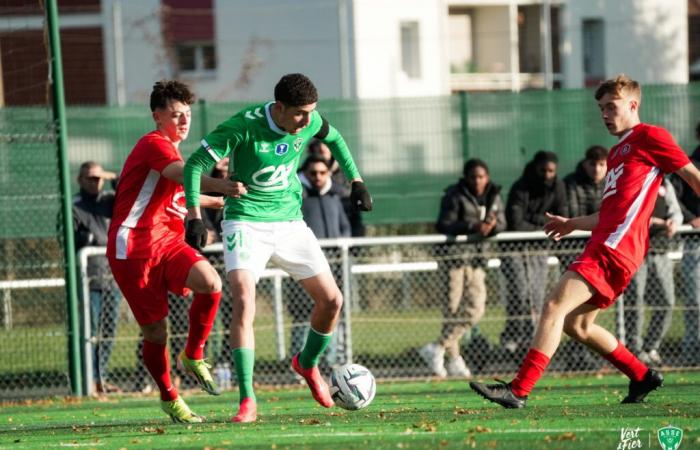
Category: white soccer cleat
<point>434,356</point>
<point>456,367</point>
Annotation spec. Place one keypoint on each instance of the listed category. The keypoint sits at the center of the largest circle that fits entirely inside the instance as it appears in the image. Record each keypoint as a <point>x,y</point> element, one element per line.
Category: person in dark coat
<point>584,192</point>
<point>92,212</point>
<point>584,187</point>
<point>341,186</point>
<point>525,272</point>
<point>690,264</point>
<point>472,206</point>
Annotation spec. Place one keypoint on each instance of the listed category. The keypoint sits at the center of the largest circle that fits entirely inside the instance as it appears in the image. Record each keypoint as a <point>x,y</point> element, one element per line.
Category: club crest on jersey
<point>625,150</point>
<point>297,144</point>
<point>281,149</point>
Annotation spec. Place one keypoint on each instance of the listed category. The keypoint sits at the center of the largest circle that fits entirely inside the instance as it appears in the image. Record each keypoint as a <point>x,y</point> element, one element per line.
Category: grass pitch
<point>564,413</point>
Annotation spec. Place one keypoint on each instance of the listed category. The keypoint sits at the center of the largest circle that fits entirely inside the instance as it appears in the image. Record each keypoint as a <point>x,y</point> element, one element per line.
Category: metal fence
<point>397,293</point>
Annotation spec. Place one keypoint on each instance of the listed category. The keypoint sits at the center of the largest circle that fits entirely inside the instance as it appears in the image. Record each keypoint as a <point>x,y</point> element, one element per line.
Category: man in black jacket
<point>690,264</point>
<point>92,211</point>
<point>472,206</point>
<point>584,187</point>
<point>535,193</point>
<point>584,193</point>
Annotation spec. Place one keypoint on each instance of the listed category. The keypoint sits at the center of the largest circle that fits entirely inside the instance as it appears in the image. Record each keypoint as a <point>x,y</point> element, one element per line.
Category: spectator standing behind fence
<point>471,206</point>
<point>535,193</point>
<point>690,264</point>
<point>584,187</point>
<point>665,219</point>
<point>323,212</point>
<point>92,211</point>
<point>584,193</point>
<point>340,185</point>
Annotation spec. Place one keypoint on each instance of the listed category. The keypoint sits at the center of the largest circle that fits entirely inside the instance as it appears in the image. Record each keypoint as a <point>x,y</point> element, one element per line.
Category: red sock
<point>627,363</point>
<point>530,372</point>
<point>202,314</point>
<point>155,357</point>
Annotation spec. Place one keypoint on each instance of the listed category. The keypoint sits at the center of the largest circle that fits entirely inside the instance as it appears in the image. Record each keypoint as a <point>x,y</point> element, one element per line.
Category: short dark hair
<point>544,157</point>
<point>168,90</point>
<point>313,159</point>
<point>596,153</point>
<point>473,164</point>
<point>295,89</point>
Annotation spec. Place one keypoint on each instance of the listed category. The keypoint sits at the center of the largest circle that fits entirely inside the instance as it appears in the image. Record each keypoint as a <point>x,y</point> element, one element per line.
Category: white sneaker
<point>456,367</point>
<point>651,357</point>
<point>434,356</point>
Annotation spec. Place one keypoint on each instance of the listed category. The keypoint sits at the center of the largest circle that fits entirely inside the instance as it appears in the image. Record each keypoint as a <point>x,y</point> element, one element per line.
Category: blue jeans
<point>104,314</point>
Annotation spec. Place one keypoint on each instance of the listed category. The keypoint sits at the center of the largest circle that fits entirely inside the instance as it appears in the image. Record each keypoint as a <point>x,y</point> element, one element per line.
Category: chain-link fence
<point>414,306</point>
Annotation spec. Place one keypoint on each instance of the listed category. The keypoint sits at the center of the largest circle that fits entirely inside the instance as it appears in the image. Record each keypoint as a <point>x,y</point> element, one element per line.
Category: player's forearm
<point>341,153</point>
<point>585,223</point>
<point>197,164</point>
<point>209,201</point>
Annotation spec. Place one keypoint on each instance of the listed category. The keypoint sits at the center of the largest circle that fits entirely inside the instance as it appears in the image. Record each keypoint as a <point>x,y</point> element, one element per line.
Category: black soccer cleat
<point>640,389</point>
<point>500,393</point>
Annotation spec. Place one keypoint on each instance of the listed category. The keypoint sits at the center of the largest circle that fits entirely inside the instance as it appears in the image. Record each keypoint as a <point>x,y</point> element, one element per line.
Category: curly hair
<point>295,89</point>
<point>167,90</point>
<point>619,86</point>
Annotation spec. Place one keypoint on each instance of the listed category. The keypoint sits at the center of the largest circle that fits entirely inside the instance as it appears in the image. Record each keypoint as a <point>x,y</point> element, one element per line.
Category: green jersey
<point>265,159</point>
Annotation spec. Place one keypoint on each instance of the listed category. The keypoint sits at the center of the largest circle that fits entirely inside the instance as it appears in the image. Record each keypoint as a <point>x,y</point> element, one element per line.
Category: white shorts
<point>291,246</point>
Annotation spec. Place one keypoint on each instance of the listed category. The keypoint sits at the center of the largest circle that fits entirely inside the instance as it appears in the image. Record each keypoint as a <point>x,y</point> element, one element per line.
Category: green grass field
<point>577,413</point>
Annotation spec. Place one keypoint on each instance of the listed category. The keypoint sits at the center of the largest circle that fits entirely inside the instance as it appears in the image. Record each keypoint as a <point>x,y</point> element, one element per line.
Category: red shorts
<point>145,282</point>
<point>605,271</point>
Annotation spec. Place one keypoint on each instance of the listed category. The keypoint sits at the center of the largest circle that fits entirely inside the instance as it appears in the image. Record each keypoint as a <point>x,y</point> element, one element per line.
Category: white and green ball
<point>352,386</point>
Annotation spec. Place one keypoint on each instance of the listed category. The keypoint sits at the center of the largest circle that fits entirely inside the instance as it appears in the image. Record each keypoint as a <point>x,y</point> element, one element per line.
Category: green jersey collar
<point>270,122</point>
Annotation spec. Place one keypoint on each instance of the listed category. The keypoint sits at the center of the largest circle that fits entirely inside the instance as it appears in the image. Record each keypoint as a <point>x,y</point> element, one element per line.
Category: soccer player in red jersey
<point>619,241</point>
<point>147,251</point>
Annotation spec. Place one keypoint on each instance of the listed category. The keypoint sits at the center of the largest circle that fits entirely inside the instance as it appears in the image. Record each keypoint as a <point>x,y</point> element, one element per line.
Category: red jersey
<point>149,209</point>
<point>636,166</point>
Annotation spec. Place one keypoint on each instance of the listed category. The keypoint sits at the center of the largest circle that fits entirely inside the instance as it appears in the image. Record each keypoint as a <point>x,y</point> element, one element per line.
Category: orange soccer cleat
<point>318,386</point>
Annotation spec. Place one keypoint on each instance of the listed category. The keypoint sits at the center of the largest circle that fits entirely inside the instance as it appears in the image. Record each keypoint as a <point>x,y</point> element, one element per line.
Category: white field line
<point>439,433</point>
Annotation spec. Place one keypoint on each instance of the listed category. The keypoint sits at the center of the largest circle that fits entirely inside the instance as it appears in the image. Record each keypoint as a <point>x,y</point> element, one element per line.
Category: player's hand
<point>557,227</point>
<point>670,228</point>
<point>359,197</point>
<point>196,234</point>
<point>233,188</point>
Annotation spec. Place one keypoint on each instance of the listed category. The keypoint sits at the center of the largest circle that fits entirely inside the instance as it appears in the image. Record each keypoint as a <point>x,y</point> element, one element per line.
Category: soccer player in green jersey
<point>264,221</point>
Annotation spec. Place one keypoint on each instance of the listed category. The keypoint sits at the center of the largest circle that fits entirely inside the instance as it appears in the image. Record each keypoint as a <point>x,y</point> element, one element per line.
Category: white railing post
<point>348,300</point>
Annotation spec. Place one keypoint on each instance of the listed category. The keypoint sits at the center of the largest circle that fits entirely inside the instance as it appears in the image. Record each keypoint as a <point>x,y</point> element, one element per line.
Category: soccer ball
<point>352,386</point>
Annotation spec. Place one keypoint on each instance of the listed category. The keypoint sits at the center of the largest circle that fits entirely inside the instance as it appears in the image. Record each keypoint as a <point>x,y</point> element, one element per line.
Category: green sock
<point>315,344</point>
<point>244,360</point>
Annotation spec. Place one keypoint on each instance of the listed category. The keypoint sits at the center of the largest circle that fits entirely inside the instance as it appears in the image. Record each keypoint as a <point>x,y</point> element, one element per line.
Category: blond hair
<point>620,86</point>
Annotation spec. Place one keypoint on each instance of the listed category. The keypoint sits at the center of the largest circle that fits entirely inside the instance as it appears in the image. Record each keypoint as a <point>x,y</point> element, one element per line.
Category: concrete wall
<point>646,39</point>
<point>377,48</point>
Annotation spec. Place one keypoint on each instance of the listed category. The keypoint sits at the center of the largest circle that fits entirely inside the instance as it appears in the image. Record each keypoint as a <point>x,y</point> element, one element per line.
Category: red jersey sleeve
<point>663,150</point>
<point>162,153</point>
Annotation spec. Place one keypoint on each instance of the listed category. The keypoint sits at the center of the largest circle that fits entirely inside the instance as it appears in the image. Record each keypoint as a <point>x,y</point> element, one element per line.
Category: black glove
<point>359,197</point>
<point>196,234</point>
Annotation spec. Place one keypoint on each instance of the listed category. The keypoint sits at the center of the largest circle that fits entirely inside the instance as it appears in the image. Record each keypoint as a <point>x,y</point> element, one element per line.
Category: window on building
<point>195,57</point>
<point>410,49</point>
<point>593,51</point>
<point>460,42</point>
<point>188,28</point>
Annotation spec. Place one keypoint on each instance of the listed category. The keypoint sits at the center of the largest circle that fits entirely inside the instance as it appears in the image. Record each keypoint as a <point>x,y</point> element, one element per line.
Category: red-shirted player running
<point>618,244</point>
<point>147,251</point>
